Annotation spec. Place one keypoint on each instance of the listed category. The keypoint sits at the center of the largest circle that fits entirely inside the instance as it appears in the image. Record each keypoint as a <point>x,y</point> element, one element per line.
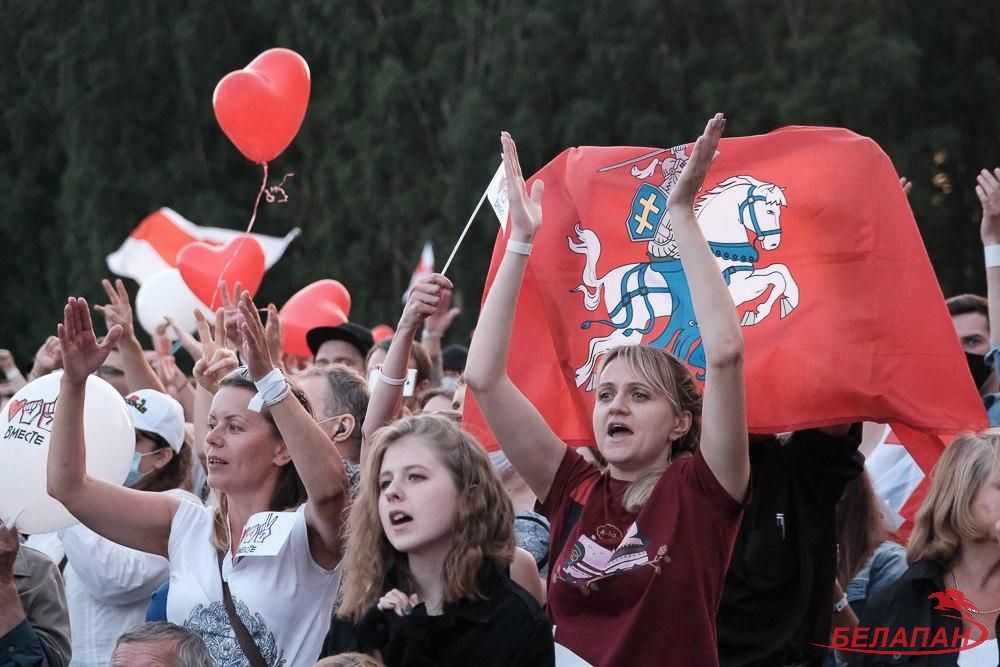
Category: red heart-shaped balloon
<point>324,303</point>
<point>203,266</point>
<point>382,331</point>
<point>261,107</point>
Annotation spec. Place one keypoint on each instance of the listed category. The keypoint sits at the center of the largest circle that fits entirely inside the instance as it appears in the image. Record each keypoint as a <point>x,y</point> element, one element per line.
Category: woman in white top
<point>108,585</point>
<point>284,600</point>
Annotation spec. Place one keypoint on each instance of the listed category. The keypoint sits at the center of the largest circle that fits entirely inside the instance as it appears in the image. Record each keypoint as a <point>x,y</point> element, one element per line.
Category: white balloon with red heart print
<point>25,430</point>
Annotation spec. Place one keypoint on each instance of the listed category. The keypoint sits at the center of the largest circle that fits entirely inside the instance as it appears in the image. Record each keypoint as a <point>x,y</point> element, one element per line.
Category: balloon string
<point>256,203</point>
<point>274,194</point>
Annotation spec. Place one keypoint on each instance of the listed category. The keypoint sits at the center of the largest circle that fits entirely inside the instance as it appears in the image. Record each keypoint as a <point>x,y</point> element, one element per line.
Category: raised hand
<point>7,361</point>
<point>81,353</point>
<point>255,351</point>
<point>188,341</point>
<point>525,210</point>
<point>274,334</point>
<point>165,365</point>
<point>161,343</point>
<point>693,174</point>
<point>231,310</point>
<point>988,191</point>
<point>119,309</point>
<point>425,299</point>
<point>438,323</point>
<point>905,183</point>
<point>216,360</point>
<point>47,359</point>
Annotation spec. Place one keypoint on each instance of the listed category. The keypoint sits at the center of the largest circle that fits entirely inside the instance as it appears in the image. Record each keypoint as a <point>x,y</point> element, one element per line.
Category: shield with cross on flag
<point>648,207</point>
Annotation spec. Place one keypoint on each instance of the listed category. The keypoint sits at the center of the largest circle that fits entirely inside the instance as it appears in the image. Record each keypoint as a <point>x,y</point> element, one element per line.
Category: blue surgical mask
<point>133,470</point>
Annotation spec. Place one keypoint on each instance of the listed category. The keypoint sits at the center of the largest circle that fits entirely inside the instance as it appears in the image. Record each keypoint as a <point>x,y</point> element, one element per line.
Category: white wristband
<point>12,373</point>
<point>992,255</point>
<point>840,604</point>
<point>519,248</point>
<point>390,381</point>
<point>270,389</point>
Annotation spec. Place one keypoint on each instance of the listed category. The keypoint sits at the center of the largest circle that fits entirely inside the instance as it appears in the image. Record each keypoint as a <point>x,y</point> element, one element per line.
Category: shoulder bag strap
<point>249,646</point>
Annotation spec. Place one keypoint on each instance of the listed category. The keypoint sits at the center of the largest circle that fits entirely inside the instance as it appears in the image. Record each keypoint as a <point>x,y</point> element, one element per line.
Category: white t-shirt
<point>984,655</point>
<point>285,601</point>
<point>107,587</point>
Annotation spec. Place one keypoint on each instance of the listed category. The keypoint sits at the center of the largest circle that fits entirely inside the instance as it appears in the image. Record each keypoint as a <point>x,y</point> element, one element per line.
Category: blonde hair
<point>288,493</point>
<point>945,518</point>
<point>668,377</point>
<point>483,529</point>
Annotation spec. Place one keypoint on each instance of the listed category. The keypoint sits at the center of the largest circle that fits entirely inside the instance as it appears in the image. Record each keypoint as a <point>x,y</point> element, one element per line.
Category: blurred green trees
<point>107,116</point>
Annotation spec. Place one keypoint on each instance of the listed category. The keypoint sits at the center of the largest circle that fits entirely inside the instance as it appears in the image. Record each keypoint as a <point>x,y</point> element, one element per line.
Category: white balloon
<point>25,430</point>
<point>166,293</point>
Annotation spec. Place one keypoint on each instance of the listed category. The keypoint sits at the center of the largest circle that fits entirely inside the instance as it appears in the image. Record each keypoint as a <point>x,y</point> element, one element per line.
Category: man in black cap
<point>346,344</point>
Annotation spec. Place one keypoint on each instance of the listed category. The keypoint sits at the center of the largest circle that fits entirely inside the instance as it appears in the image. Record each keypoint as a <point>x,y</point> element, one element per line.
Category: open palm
<point>693,174</point>
<point>81,353</point>
<point>525,210</point>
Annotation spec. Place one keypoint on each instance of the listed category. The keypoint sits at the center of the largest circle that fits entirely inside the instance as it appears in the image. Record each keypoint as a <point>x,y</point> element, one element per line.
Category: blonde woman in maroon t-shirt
<point>639,552</point>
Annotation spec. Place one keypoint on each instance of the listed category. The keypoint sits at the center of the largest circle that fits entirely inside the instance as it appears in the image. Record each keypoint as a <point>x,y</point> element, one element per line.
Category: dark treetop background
<point>107,116</point>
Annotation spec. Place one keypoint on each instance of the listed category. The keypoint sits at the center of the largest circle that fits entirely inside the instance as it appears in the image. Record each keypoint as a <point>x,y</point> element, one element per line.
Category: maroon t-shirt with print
<point>639,589</point>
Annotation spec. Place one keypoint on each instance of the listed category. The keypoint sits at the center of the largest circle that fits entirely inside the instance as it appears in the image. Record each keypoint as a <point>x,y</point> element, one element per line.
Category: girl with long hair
<point>639,553</point>
<point>265,454</point>
<point>430,538</point>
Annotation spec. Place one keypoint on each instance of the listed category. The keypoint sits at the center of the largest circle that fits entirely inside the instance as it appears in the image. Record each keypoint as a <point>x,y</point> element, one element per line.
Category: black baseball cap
<point>453,358</point>
<point>349,332</point>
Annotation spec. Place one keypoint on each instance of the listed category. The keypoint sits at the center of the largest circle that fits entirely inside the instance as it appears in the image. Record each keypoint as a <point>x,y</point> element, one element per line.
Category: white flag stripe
<point>139,258</point>
<point>497,194</point>
<point>895,476</point>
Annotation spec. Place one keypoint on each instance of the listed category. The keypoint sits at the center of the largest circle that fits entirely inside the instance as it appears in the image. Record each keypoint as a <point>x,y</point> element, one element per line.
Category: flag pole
<point>462,237</point>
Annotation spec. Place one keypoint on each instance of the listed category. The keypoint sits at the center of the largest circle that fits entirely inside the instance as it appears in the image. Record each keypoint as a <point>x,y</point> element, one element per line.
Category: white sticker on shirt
<point>266,533</point>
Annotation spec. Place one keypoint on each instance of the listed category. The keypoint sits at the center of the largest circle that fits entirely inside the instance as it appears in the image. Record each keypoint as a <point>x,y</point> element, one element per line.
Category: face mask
<point>978,367</point>
<point>133,471</point>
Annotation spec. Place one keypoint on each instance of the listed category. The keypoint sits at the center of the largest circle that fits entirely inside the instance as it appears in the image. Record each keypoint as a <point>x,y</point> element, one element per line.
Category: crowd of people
<point>337,513</point>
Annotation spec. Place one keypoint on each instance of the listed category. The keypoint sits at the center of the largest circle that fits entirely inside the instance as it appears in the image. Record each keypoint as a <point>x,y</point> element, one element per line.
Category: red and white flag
<point>900,480</point>
<point>425,267</point>
<point>154,244</point>
<point>843,318</point>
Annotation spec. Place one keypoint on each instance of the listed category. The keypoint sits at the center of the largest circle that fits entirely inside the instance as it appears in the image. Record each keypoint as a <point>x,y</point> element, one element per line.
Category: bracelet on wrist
<point>519,247</point>
<point>271,389</point>
<point>12,372</point>
<point>395,382</point>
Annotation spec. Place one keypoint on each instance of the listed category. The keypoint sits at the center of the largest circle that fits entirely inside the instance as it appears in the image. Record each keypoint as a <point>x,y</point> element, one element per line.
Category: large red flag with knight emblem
<point>843,319</point>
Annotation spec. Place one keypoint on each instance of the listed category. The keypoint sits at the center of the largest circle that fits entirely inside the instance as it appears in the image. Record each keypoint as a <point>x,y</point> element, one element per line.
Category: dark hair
<point>968,303</point>
<point>191,649</point>
<point>434,393</point>
<point>860,527</point>
<point>175,475</point>
<point>289,492</point>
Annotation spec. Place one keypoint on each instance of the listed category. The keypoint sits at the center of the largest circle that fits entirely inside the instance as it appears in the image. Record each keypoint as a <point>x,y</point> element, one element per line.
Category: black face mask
<point>977,366</point>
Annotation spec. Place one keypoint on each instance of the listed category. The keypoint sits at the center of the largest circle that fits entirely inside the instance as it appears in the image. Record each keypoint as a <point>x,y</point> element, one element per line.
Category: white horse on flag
<point>733,215</point>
